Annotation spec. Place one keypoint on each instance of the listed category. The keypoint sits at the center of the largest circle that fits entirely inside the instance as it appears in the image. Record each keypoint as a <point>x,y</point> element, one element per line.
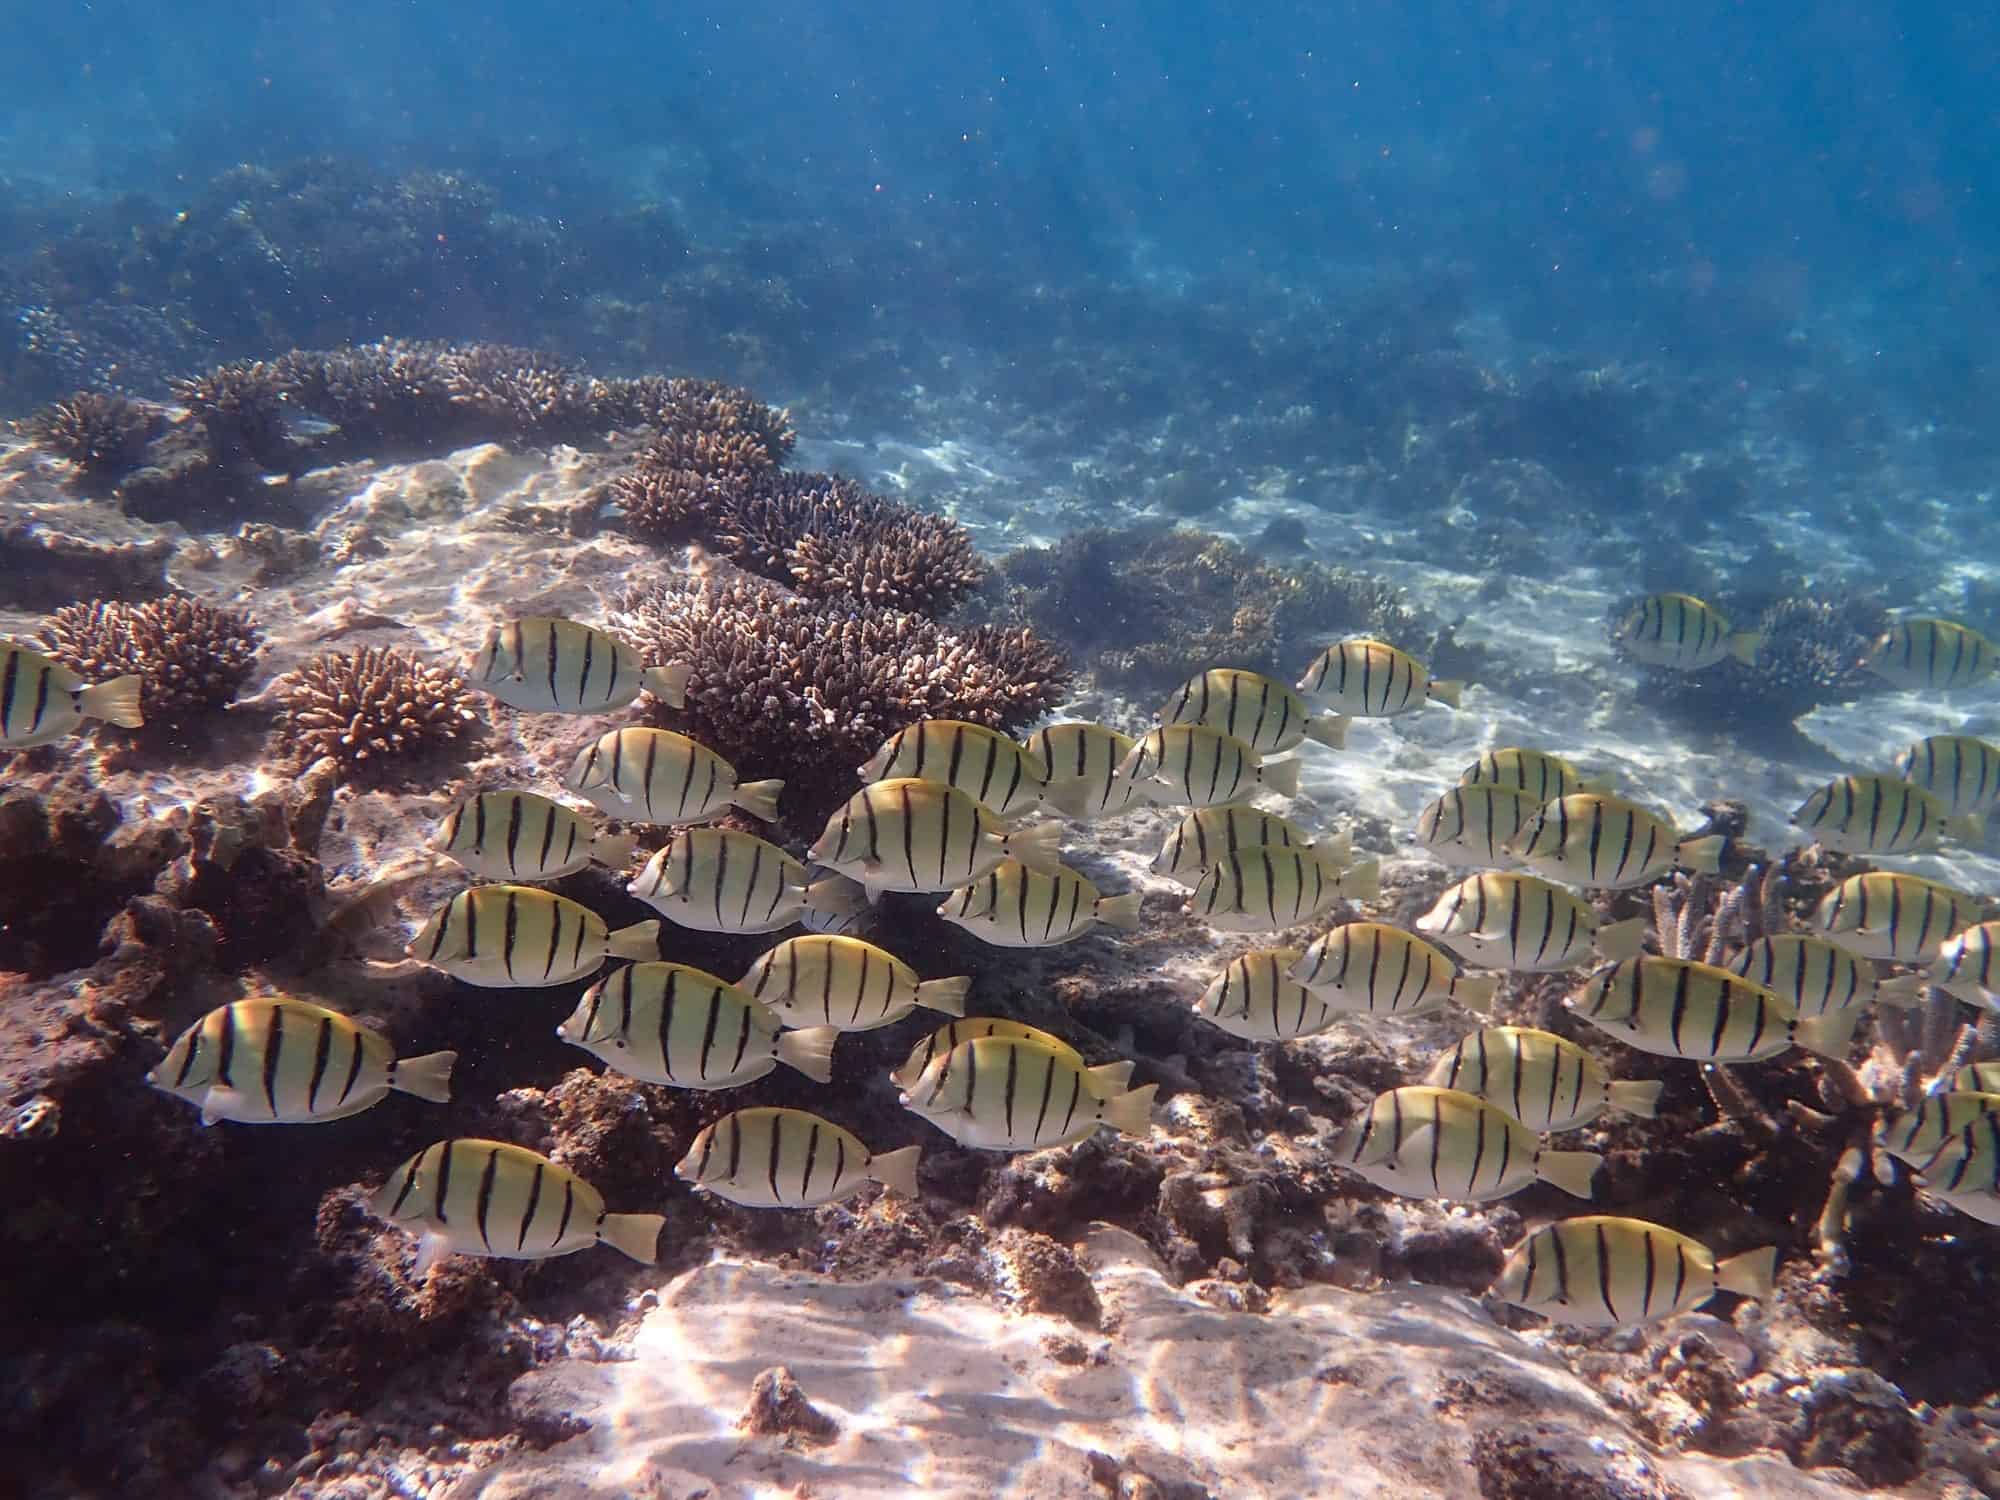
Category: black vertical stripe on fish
<point>513,834</point>
<point>409,1182</point>
<point>840,1161</point>
<point>909,831</point>
<point>1646,1302</point>
<point>1725,1008</point>
<point>1758,1017</point>
<point>1562,1264</point>
<point>1437,1149</point>
<point>555,688</point>
<point>274,1044</point>
<point>534,1202</point>
<point>771,1158</point>
<point>721,880</point>
<point>510,924</point>
<point>1683,977</point>
<point>1048,1095</point>
<point>1478,1147</point>
<point>1604,1269</point>
<point>583,673</point>
<point>1075,1097</point>
<point>568,1210</point>
<point>10,678</point>
<point>743,1032</point>
<point>44,676</point>
<point>1007,1093</point>
<point>322,1056</point>
<point>812,1159</point>
<point>445,1151</point>
<point>227,1048</point>
<point>483,1200</point>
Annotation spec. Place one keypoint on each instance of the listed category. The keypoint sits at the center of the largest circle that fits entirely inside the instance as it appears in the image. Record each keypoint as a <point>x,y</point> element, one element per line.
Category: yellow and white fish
<point>1882,914</point>
<point>1917,1135</point>
<point>546,665</point>
<point>1083,761</point>
<point>1539,773</point>
<point>1504,920</point>
<point>1931,655</point>
<point>1371,968</point>
<point>1967,967</point>
<point>1255,997</point>
<point>726,880</point>
<point>658,776</point>
<point>1597,1271</point>
<point>1192,765</point>
<point>1817,976</point>
<point>1683,633</point>
<point>1678,1007</point>
<point>526,836</point>
<point>1426,1142</point>
<point>911,835</point>
<point>1260,711</point>
<point>828,980</point>
<point>682,1026</point>
<point>1000,1093</point>
<point>1977,1078</point>
<point>1881,815</point>
<point>1012,906</point>
<point>787,1158</point>
<point>1961,772</point>
<point>474,1197</point>
<point>42,700</point>
<point>1472,823</point>
<point>1545,1081</point>
<point>1364,679</point>
<point>1965,1170</point>
<point>523,937</point>
<point>986,765</point>
<point>275,1060</point>
<point>1607,843</point>
<point>1266,887</point>
<point>1107,1080</point>
<point>1206,835</point>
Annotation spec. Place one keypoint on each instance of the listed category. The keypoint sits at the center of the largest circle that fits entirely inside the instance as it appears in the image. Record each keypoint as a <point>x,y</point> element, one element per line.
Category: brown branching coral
<point>369,707</point>
<point>190,657</point>
<point>103,433</point>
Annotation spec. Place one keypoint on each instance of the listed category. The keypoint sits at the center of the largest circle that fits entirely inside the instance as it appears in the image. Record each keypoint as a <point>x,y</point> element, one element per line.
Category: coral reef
<point>372,708</point>
<point>104,433</point>
<point>191,657</point>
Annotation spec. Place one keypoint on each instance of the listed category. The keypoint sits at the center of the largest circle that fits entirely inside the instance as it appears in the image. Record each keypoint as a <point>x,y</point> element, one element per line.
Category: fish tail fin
<point>835,896</point>
<point>1132,1114</point>
<point>947,995</point>
<point>1744,646</point>
<point>1280,776</point>
<point>1618,941</point>
<point>897,1170</point>
<point>1448,693</point>
<point>1903,991</point>
<point>1571,1171</point>
<point>1336,850</point>
<point>669,683</point>
<point>1829,1035</point>
<point>1038,846</point>
<point>759,798</point>
<point>1108,1080</point>
<point>1966,828</point>
<point>1362,882</point>
<point>1751,1274</point>
<point>636,1235</point>
<point>1121,912</point>
<point>1476,991</point>
<point>428,1077</point>
<point>1701,856</point>
<point>810,1051</point>
<point>614,850</point>
<point>1329,730</point>
<point>115,702</point>
<point>640,941</point>
<point>1637,1097</point>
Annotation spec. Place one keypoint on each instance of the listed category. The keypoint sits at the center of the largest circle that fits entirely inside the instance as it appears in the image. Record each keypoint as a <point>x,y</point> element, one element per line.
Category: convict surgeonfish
<point>523,937</point>
<point>1976,1078</point>
<point>986,765</point>
<point>1540,774</point>
<point>1426,1142</point>
<point>1083,761</point>
<point>1966,967</point>
<point>1930,655</point>
<point>1965,1170</point>
<point>473,1197</point>
<point>1916,1135</point>
<point>1266,887</point>
<point>682,1026</point>
<point>1504,920</point>
<point>526,836</point>
<point>911,835</point>
<point>1680,632</point>
<point>1545,1081</point>
<point>1371,968</point>
<point>42,700</point>
<point>1602,1272</point>
<point>787,1158</point>
<point>999,1093</point>
<point>1013,906</point>
<point>1677,1007</point>
<point>1595,839</point>
<point>1107,1080</point>
<point>1882,914</point>
<point>1881,815</point>
<point>1205,836</point>
<point>658,776</point>
<point>546,665</point>
<point>1260,711</point>
<point>1473,823</point>
<point>1365,679</point>
<point>726,880</point>
<point>1255,997</point>
<point>829,980</point>
<point>1961,772</point>
<point>1817,976</point>
<point>275,1060</point>
<point>1192,765</point>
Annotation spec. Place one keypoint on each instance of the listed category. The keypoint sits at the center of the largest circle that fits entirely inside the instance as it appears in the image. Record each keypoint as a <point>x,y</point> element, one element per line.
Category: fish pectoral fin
<point>219,1103</point>
<point>1390,1155</point>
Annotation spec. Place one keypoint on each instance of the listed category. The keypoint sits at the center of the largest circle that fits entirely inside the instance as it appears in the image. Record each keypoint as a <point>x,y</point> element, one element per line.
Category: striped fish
<point>1917,1135</point>
<point>986,765</point>
<point>1541,775</point>
<point>1930,655</point>
<point>658,776</point>
<point>1880,914</point>
<point>522,937</point>
<point>1264,888</point>
<point>1961,772</point>
<point>275,1060</point>
<point>1502,920</point>
<point>1371,968</point>
<point>1083,761</point>
<point>1206,835</point>
<point>1473,822</point>
<point>726,880</point>
<point>1255,997</point>
<point>679,1025</point>
<point>1965,1170</point>
<point>1677,1007</point>
<point>526,836</point>
<point>1194,766</point>
<point>910,835</point>
<point>1545,1081</point>
<point>1425,1142</point>
<point>1373,680</point>
<point>1976,1078</point>
<point>1966,967</point>
<point>1681,632</point>
<point>1816,976</point>
<point>1000,1093</point>
<point>787,1158</point>
<point>829,980</point>
<point>488,1198</point>
<point>1013,906</point>
<point>1260,711</point>
<point>1880,815</point>
<point>546,665</point>
<point>1602,1272</point>
<point>42,700</point>
<point>1106,1080</point>
<point>1595,839</point>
